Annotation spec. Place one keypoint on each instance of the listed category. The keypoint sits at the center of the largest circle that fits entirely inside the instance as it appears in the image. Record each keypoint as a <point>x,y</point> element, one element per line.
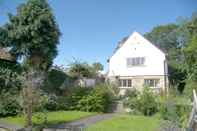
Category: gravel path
<point>85,122</point>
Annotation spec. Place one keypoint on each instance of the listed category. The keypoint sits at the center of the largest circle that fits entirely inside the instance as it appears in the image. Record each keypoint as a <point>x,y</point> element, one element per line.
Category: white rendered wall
<point>137,46</point>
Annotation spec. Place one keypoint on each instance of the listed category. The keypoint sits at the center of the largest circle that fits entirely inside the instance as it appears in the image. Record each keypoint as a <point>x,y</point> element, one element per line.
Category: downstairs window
<point>125,83</point>
<point>151,82</point>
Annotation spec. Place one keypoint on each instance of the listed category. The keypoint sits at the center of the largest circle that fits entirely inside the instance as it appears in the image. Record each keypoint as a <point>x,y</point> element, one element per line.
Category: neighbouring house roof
<point>5,55</point>
<point>123,41</point>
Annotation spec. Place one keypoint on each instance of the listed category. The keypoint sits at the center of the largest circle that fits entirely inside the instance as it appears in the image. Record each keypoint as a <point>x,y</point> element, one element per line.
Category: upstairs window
<point>135,61</point>
<point>151,82</point>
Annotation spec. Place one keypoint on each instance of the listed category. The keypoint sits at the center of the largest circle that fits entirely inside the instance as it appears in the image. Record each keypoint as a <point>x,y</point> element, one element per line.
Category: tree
<point>97,66</point>
<point>32,34</point>
<point>190,57</point>
<point>171,38</point>
<point>79,69</point>
<point>164,36</point>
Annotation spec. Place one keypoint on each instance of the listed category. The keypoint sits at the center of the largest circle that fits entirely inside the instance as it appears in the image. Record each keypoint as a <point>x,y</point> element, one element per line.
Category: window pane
<point>135,61</point>
<point>129,83</point>
<point>124,83</point>
<point>151,82</point>
<point>119,83</point>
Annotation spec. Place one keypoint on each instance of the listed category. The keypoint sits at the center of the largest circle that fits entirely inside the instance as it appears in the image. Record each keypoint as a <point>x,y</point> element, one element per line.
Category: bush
<point>131,93</point>
<point>168,111</point>
<point>144,102</point>
<point>75,96</point>
<point>190,86</point>
<point>147,102</point>
<point>54,103</point>
<point>9,105</point>
<point>98,100</point>
<point>175,112</point>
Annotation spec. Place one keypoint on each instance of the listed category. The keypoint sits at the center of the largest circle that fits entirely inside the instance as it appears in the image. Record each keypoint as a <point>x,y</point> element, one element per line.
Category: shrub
<point>98,100</point>
<point>190,86</point>
<point>54,103</point>
<point>9,105</point>
<point>51,103</point>
<point>131,93</point>
<point>75,96</point>
<point>62,82</point>
<point>168,110</point>
<point>175,112</point>
<point>146,102</point>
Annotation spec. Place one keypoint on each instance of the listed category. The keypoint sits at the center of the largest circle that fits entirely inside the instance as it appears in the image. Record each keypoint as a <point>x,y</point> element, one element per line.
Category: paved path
<point>85,122</point>
<point>8,126</point>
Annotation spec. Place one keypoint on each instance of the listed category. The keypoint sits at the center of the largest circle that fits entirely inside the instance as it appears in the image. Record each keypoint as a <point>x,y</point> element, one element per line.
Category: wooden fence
<point>192,123</point>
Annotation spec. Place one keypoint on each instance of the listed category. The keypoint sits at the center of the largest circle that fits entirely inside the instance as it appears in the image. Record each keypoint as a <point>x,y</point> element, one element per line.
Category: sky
<point>91,29</point>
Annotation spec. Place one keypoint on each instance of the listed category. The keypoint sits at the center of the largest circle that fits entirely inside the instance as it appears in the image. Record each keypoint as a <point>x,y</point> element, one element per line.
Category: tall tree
<point>164,37</point>
<point>32,34</point>
<point>97,66</point>
<point>170,39</point>
<point>190,56</point>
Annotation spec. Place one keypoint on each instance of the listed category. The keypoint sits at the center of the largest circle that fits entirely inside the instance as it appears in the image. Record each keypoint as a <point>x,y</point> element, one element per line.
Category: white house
<point>137,63</point>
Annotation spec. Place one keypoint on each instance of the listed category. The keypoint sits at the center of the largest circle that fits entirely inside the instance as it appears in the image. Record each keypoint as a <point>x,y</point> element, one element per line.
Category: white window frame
<point>135,61</point>
<point>147,82</point>
<point>125,83</point>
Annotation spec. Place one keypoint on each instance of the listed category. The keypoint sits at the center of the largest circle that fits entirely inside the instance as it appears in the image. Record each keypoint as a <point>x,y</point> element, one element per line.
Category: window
<point>129,83</point>
<point>135,61</point>
<point>151,82</point>
<point>125,83</point>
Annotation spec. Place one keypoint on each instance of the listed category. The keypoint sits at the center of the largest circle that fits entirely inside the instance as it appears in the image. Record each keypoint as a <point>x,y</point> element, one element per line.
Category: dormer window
<point>135,61</point>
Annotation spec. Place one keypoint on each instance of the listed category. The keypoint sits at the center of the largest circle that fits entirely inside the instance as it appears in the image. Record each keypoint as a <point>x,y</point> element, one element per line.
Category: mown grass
<point>52,117</point>
<point>127,123</point>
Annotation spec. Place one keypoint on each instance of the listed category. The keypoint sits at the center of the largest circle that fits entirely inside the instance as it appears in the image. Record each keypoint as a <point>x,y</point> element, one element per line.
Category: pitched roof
<point>124,40</point>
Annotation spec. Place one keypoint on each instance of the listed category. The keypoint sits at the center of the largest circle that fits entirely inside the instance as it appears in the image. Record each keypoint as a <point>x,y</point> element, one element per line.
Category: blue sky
<point>91,28</point>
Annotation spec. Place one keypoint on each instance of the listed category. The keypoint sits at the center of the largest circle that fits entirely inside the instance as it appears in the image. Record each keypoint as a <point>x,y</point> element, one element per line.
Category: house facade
<point>137,63</point>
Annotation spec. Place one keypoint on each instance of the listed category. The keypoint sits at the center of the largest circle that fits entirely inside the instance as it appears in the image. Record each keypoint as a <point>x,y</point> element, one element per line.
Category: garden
<point>35,94</point>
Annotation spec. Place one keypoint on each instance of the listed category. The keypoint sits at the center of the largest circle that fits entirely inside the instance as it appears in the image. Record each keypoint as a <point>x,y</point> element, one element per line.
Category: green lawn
<point>127,123</point>
<point>52,117</point>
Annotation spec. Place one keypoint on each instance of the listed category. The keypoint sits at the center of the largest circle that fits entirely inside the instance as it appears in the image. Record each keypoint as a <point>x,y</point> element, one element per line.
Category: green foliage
<point>190,53</point>
<point>132,93</point>
<point>98,100</point>
<point>78,69</point>
<point>75,95</point>
<point>8,80</point>
<point>57,82</point>
<point>190,86</point>
<point>9,105</point>
<point>55,103</point>
<point>56,117</point>
<point>146,102</point>
<point>82,69</point>
<point>175,112</point>
<point>33,33</point>
<point>164,36</point>
<point>190,57</point>
<point>97,66</point>
<point>170,38</point>
<point>123,122</point>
